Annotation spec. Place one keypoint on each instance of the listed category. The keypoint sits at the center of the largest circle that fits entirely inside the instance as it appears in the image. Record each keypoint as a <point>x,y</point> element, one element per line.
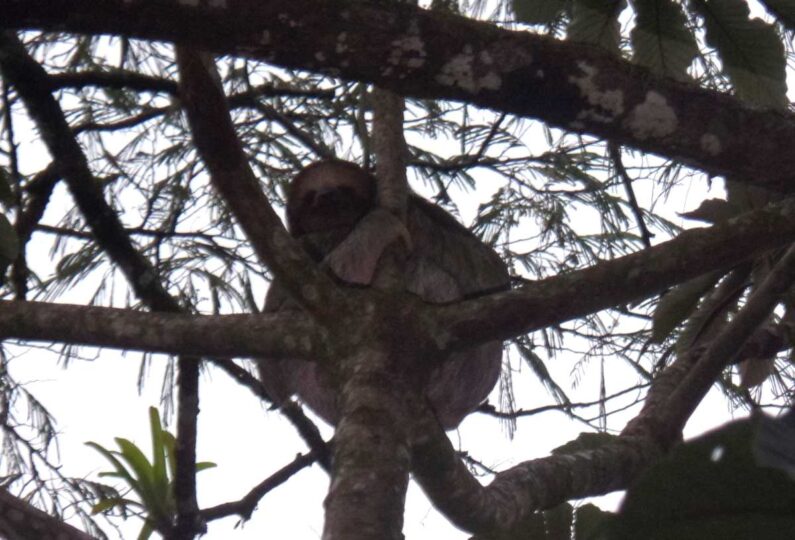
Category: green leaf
<point>158,447</point>
<point>678,304</point>
<point>584,441</point>
<point>713,211</point>
<point>107,504</point>
<point>170,442</point>
<point>708,488</point>
<point>204,465</point>
<point>588,519</point>
<point>146,531</point>
<point>774,444</point>
<point>750,49</point>
<point>661,40</point>
<point>121,470</point>
<point>145,485</point>
<point>9,241</point>
<point>537,11</point>
<point>596,22</point>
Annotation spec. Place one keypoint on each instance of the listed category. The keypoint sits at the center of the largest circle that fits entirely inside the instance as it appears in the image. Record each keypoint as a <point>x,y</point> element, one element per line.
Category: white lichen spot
<point>653,118</point>
<point>459,71</point>
<point>284,18</point>
<point>606,105</point>
<point>717,454</point>
<point>265,38</point>
<point>486,58</point>
<point>539,73</point>
<point>407,51</point>
<point>341,47</point>
<point>220,4</point>
<point>320,56</point>
<point>710,143</point>
<point>490,81</point>
<point>310,293</point>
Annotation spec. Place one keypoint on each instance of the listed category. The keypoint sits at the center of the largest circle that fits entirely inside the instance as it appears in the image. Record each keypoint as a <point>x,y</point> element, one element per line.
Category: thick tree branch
<point>542,483</point>
<point>215,138</point>
<point>173,333</point>
<point>499,316</point>
<point>437,55</point>
<point>626,279</point>
<point>19,520</point>
<point>516,493</point>
<point>370,469</point>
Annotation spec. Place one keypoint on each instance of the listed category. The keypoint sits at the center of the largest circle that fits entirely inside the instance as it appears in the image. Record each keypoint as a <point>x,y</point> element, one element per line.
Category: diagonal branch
<point>19,520</point>
<point>626,279</point>
<point>215,138</point>
<point>517,492</point>
<point>728,344</point>
<point>427,54</point>
<point>245,506</point>
<point>32,84</point>
<point>217,143</point>
<point>543,483</point>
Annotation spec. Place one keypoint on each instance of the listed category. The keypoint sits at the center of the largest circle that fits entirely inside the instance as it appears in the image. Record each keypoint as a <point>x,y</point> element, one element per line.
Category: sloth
<point>445,263</point>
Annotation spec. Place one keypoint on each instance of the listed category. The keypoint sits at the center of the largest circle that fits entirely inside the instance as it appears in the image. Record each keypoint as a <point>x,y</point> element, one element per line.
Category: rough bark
<point>290,335</point>
<point>20,520</point>
<point>502,315</point>
<point>627,279</point>
<point>427,54</point>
